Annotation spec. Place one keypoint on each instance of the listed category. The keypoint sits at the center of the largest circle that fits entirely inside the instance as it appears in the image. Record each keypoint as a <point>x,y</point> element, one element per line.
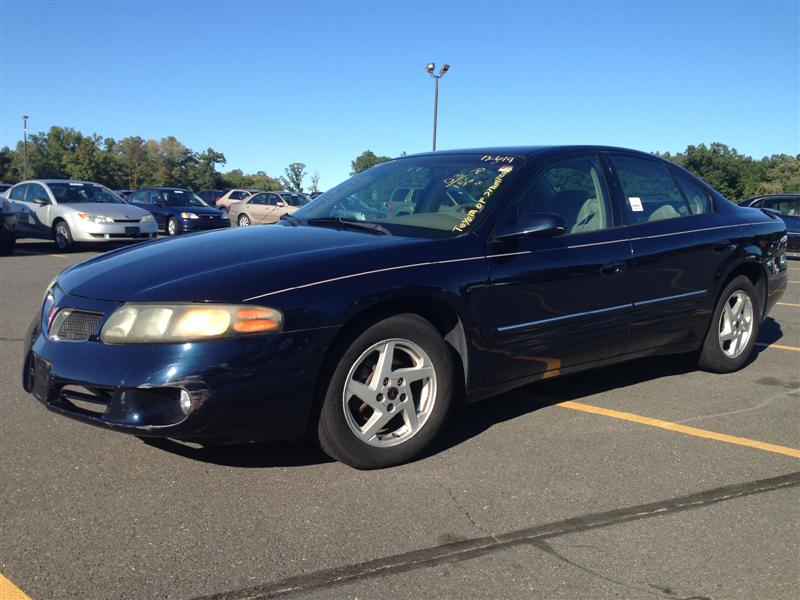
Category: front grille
<point>74,325</point>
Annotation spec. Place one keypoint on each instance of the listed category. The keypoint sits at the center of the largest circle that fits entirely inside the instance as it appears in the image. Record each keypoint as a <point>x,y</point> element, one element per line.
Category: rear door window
<point>696,196</point>
<point>784,206</point>
<point>649,191</point>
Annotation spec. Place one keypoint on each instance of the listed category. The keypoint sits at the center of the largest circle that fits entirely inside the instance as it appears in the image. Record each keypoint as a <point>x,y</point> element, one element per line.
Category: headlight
<point>146,219</point>
<point>189,215</point>
<point>161,323</point>
<point>99,219</point>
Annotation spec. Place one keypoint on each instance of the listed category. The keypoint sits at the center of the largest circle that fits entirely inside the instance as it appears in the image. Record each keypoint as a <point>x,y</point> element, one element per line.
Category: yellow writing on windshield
<point>481,203</point>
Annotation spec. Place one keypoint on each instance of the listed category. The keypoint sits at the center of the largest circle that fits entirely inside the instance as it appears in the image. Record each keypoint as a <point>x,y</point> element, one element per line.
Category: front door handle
<point>614,268</point>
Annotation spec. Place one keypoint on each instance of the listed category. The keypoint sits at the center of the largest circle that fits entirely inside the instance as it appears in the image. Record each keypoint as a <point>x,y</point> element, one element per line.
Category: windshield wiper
<point>291,218</point>
<point>351,224</point>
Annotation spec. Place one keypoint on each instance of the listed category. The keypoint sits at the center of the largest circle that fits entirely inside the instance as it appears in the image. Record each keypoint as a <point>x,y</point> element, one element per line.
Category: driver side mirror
<point>534,224</point>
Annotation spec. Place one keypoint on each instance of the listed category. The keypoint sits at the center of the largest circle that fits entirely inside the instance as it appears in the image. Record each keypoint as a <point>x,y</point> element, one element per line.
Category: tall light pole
<point>25,146</point>
<point>430,68</point>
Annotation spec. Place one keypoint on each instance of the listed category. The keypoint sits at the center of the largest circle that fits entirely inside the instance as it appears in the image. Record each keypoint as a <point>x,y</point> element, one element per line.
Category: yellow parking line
<point>703,433</point>
<point>788,304</point>
<point>779,346</point>
<point>8,591</point>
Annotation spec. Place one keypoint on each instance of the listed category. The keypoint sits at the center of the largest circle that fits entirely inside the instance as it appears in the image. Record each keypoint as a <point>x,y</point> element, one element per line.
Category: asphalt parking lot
<point>643,480</point>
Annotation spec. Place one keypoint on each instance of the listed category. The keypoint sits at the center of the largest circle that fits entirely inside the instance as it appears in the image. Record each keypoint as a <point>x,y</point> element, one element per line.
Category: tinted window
<point>273,199</point>
<point>367,196</point>
<point>697,197</point>
<point>258,199</point>
<point>18,192</point>
<point>785,206</point>
<point>238,195</point>
<point>649,190</point>
<point>574,189</point>
<point>37,192</point>
<point>82,193</point>
<point>139,197</point>
<point>295,199</point>
<point>177,198</point>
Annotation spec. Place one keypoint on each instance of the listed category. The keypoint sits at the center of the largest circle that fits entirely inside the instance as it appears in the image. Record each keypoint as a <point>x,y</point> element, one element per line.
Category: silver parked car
<point>70,212</point>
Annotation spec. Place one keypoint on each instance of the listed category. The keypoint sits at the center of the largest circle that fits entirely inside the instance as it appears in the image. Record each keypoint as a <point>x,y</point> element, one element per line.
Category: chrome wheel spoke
<point>364,393</point>
<point>377,421</point>
<point>410,415</point>
<point>383,368</point>
<point>413,373</point>
<point>735,324</point>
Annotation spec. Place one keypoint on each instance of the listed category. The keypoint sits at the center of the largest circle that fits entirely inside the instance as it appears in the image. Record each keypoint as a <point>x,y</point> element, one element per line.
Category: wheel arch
<point>442,314</point>
<point>752,267</point>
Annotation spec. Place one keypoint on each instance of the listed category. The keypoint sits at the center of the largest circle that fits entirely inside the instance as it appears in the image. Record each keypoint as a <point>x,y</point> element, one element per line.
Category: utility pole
<point>25,146</point>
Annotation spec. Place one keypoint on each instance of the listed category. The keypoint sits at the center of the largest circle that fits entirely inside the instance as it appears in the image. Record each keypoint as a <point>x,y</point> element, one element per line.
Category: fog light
<point>186,402</point>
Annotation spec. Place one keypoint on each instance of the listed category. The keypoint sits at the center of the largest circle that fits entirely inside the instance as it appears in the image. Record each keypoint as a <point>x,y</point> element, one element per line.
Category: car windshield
<point>181,198</point>
<point>75,193</point>
<point>431,196</point>
<point>295,199</point>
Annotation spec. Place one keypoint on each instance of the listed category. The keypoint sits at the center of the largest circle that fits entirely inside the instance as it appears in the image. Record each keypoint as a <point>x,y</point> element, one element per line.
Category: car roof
<point>49,181</point>
<point>787,195</point>
<point>531,151</point>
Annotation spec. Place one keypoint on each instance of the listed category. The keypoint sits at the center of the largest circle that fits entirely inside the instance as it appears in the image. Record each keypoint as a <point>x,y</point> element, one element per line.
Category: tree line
<point>133,162</point>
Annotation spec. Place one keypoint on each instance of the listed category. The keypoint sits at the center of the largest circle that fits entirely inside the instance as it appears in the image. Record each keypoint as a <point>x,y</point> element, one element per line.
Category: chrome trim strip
<point>352,275</point>
<point>668,298</point>
<point>599,311</point>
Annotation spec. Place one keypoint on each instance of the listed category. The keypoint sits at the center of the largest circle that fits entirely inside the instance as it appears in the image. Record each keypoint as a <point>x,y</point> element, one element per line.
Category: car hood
<point>198,210</point>
<point>113,211</point>
<point>236,264</point>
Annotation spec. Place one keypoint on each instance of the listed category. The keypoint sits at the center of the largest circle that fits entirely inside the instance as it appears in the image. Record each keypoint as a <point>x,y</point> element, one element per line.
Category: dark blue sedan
<point>177,210</point>
<point>494,269</point>
<point>787,207</point>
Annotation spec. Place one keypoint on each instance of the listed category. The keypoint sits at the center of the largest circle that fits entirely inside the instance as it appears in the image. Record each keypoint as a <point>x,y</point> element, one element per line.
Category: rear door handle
<point>614,268</point>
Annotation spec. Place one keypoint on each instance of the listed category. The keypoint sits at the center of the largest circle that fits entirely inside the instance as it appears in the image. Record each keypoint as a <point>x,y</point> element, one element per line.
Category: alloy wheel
<point>389,392</point>
<point>736,324</point>
<point>244,221</point>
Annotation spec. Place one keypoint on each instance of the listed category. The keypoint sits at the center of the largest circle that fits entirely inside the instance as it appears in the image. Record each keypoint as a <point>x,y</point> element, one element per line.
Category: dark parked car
<point>123,193</point>
<point>177,210</point>
<point>365,333</point>
<point>210,197</point>
<point>5,186</point>
<point>8,226</point>
<point>787,206</point>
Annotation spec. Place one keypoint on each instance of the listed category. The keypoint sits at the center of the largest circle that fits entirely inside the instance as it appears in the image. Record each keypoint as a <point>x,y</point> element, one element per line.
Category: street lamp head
<point>25,117</point>
<point>444,69</point>
<point>430,68</point>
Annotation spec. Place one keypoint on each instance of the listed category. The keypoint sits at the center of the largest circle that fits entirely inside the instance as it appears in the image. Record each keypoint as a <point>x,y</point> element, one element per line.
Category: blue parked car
<point>178,210</point>
<point>787,207</point>
<point>364,331</point>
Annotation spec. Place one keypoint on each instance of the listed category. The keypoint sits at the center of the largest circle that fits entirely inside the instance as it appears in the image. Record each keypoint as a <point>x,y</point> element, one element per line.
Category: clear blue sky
<point>269,83</point>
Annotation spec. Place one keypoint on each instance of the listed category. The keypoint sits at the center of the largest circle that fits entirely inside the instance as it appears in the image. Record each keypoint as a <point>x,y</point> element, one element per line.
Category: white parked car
<point>70,212</point>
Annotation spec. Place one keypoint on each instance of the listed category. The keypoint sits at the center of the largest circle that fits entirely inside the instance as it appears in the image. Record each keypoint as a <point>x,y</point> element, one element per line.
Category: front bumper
<point>113,232</point>
<point>203,224</point>
<point>246,389</point>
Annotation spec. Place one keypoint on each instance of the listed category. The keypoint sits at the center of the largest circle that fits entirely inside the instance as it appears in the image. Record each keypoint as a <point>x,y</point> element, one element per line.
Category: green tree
<point>293,180</point>
<point>365,160</point>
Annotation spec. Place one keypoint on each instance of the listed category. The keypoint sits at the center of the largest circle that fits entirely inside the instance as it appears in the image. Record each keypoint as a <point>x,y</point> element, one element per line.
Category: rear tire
<point>734,328</point>
<point>389,394</point>
<point>63,237</point>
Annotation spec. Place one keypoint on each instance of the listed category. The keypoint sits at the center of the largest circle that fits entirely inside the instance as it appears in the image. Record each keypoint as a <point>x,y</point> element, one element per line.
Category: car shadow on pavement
<point>247,456</point>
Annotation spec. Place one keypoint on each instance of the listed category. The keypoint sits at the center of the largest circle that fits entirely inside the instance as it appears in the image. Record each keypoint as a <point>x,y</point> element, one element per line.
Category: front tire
<point>172,226</point>
<point>243,221</point>
<point>63,237</point>
<point>389,394</point>
<point>734,328</point>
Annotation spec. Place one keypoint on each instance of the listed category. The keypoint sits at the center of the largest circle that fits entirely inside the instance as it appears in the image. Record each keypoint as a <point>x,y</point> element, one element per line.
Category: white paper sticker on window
<point>636,203</point>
